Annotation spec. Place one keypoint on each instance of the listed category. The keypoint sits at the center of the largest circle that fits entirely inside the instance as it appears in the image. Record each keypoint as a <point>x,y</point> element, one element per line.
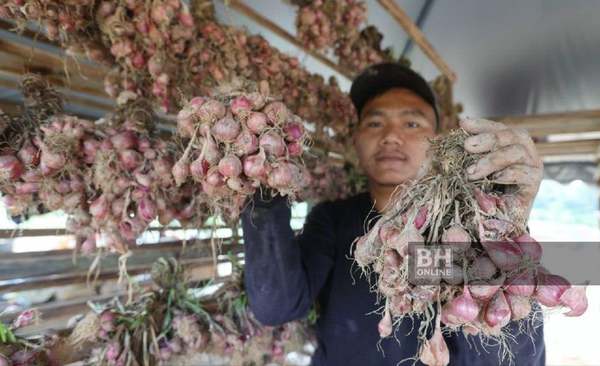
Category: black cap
<point>379,78</point>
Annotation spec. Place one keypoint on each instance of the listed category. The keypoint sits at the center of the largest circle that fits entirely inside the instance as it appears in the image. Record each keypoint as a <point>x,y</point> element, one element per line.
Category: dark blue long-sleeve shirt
<point>284,275</point>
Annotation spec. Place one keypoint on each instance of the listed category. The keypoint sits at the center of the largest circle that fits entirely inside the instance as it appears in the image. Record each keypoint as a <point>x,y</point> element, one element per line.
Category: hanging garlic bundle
<point>322,24</point>
<point>238,143</point>
<point>21,146</point>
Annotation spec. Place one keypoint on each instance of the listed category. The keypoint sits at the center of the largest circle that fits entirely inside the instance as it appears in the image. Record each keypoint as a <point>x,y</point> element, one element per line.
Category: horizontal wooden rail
<point>105,105</point>
<point>34,36</point>
<point>582,147</point>
<point>55,316</point>
<point>13,233</point>
<point>20,271</point>
<point>57,81</point>
<point>57,62</point>
<point>67,254</point>
<point>541,125</point>
<point>14,109</point>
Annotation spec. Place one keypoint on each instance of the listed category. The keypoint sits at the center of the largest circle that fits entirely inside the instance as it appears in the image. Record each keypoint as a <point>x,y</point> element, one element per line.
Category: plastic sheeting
<point>568,172</point>
<point>515,57</point>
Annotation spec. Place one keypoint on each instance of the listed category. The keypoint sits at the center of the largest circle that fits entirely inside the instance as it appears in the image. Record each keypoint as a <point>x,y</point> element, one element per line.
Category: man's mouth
<point>390,156</point>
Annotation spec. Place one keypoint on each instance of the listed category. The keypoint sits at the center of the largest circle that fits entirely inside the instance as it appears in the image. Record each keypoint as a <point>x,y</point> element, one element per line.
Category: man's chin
<point>393,179</point>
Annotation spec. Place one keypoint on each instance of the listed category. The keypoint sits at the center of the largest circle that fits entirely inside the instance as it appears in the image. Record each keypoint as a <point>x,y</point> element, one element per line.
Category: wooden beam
<point>10,108</point>
<point>38,37</point>
<point>267,23</point>
<point>541,125</point>
<point>57,81</point>
<point>67,254</point>
<point>19,233</point>
<point>56,315</point>
<point>21,265</point>
<point>418,37</point>
<point>81,277</point>
<point>581,147</point>
<point>105,106</point>
<point>54,61</point>
<point>19,272</point>
<point>14,109</point>
<point>61,71</point>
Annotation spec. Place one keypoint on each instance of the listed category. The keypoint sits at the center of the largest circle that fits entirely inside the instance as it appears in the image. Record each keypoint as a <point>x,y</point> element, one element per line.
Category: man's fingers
<point>481,143</point>
<point>525,176</point>
<point>476,126</point>
<point>498,160</point>
<point>510,155</point>
<point>490,141</point>
<point>514,136</point>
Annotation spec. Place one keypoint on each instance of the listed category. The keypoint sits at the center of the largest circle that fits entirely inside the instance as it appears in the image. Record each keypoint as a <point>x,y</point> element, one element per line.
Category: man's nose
<point>392,135</point>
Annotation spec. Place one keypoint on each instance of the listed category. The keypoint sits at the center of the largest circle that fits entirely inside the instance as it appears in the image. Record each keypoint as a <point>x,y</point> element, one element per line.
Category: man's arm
<point>283,273</point>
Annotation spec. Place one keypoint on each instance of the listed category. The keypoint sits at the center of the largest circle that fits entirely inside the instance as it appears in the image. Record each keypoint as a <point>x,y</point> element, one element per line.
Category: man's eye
<point>373,124</point>
<point>412,124</point>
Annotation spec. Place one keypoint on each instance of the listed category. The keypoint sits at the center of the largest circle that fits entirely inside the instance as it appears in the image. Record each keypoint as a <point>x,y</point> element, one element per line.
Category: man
<point>286,275</point>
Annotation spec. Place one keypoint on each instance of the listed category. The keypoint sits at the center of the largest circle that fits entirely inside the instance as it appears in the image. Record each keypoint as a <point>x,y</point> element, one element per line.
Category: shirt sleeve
<point>283,273</point>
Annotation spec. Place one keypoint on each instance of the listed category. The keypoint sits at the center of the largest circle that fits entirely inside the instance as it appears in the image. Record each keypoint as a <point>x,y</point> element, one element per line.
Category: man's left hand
<point>510,158</point>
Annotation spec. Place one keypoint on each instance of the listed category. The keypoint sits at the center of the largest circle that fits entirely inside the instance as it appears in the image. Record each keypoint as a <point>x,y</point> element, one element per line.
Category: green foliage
<point>6,335</point>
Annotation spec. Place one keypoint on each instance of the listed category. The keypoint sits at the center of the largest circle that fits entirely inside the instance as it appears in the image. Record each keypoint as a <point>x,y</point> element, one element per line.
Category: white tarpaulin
<point>517,57</point>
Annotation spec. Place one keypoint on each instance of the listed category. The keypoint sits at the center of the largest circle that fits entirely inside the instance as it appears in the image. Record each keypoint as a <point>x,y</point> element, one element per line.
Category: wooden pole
<point>418,37</point>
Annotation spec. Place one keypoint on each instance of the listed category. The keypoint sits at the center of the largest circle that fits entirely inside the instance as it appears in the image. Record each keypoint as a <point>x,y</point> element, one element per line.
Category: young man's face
<point>391,139</point>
